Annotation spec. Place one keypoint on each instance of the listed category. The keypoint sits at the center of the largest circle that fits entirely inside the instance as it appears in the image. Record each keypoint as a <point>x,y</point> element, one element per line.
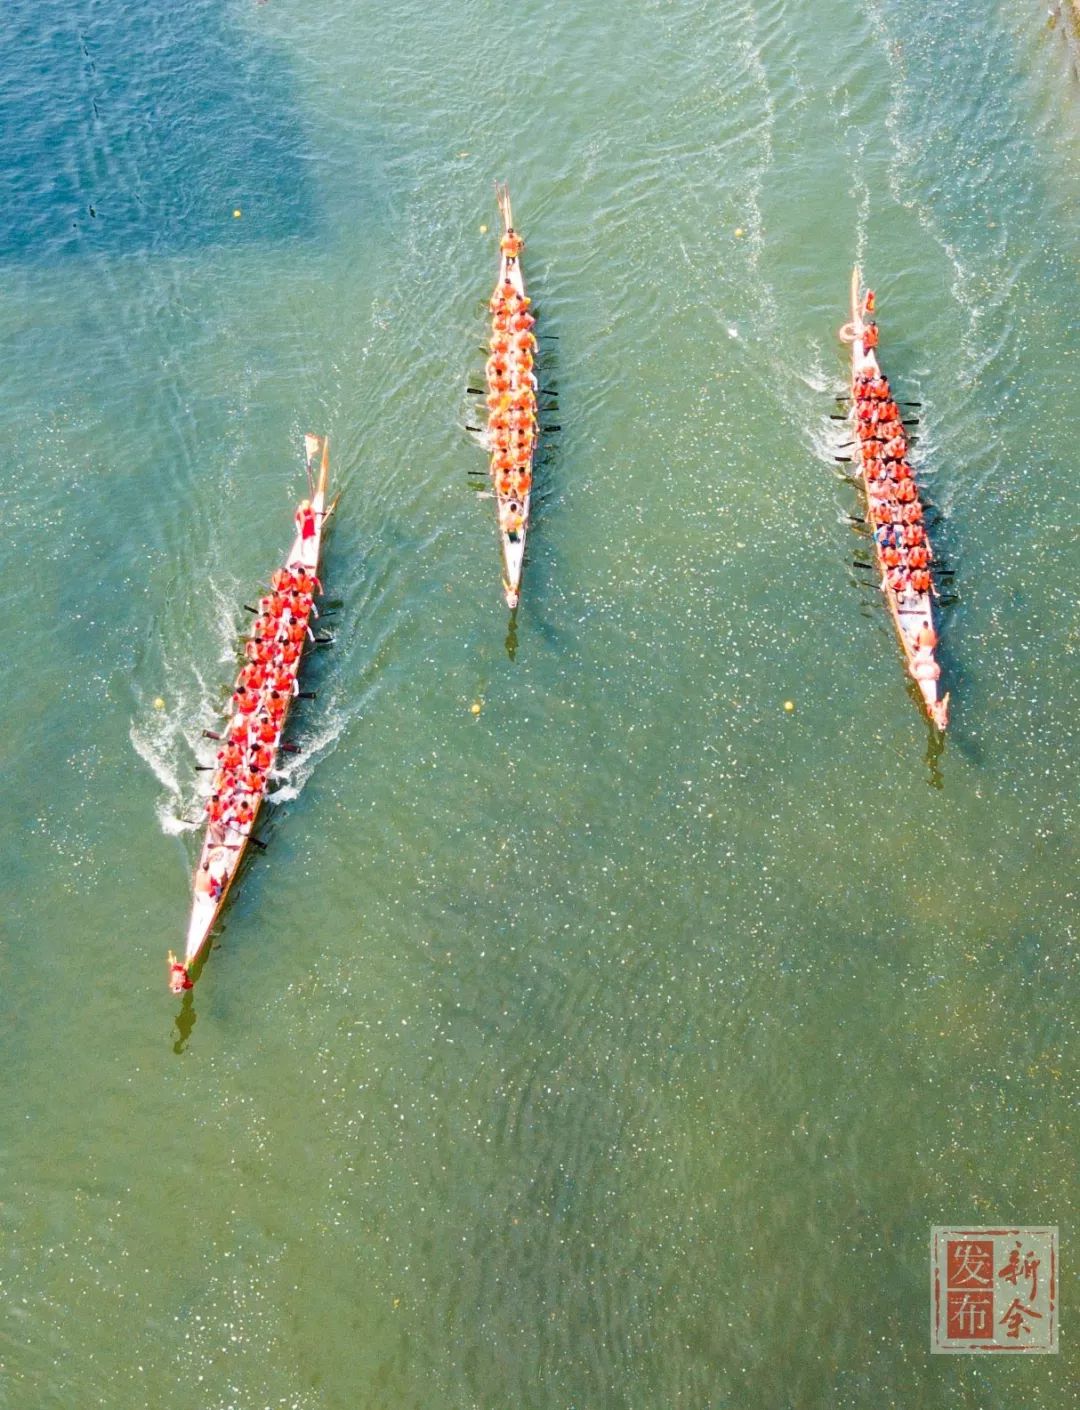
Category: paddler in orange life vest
<point>262,756</point>
<point>259,649</point>
<point>306,581</point>
<point>513,521</point>
<point>921,580</point>
<point>511,245</point>
<point>285,681</point>
<point>244,700</point>
<point>231,757</point>
<point>241,815</point>
<point>918,556</point>
<point>267,730</point>
<point>276,705</point>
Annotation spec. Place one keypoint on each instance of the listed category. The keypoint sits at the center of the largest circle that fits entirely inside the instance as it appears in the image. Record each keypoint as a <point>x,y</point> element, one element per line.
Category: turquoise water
<point>617,1046</point>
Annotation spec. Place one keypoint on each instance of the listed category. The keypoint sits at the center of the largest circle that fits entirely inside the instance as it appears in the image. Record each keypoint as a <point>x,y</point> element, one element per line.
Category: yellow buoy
<point>739,232</point>
<point>483,230</point>
<point>474,708</point>
<point>236,213</point>
<point>159,704</point>
<point>789,705</point>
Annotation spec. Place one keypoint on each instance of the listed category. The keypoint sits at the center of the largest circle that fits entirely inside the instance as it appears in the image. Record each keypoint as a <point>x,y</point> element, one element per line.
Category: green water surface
<point>616,1047</point>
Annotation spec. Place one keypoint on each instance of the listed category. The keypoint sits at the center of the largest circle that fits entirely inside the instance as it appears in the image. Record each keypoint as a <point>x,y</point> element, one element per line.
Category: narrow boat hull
<point>224,849</point>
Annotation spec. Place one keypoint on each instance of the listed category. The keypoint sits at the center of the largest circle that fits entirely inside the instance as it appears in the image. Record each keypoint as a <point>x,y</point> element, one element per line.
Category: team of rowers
<point>896,513</point>
<point>264,691</point>
<point>511,396</point>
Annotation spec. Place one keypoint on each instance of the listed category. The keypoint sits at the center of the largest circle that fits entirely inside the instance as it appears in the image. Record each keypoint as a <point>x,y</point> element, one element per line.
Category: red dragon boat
<point>264,692</point>
<point>511,386</point>
<point>895,511</point>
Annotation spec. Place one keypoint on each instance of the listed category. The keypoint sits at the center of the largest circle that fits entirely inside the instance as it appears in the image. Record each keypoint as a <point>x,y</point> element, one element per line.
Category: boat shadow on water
<point>935,746</point>
<point>186,1017</point>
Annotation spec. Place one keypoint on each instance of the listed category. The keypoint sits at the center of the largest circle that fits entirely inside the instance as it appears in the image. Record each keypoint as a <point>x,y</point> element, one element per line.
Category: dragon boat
<point>230,825</point>
<point>895,511</point>
<point>511,402</point>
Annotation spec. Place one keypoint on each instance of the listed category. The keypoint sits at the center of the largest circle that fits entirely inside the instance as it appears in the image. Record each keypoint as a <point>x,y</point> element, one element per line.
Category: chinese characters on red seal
<point>993,1289</point>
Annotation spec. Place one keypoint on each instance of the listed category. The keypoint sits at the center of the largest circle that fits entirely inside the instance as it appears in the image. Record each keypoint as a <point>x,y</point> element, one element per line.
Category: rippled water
<point>616,1046</point>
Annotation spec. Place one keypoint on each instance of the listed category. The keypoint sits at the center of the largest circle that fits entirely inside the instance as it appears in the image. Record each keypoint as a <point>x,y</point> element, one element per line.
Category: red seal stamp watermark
<point>994,1290</point>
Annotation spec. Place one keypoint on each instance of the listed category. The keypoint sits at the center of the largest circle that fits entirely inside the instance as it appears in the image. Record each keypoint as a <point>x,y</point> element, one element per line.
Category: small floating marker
<point>789,705</point>
<point>159,704</point>
<point>474,708</point>
<point>739,232</point>
<point>483,230</point>
<point>237,213</point>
